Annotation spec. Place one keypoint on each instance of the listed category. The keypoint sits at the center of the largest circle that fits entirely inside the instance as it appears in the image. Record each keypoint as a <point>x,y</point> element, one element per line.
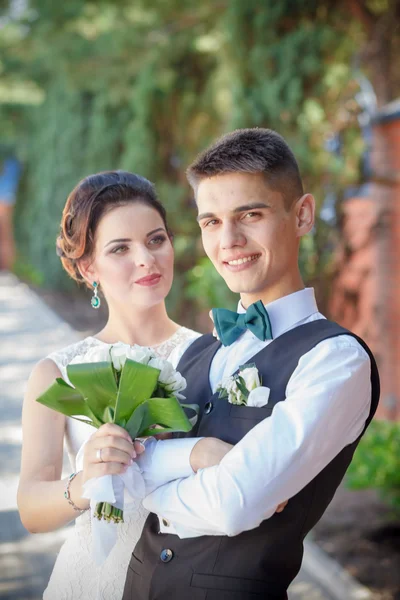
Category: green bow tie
<point>230,325</point>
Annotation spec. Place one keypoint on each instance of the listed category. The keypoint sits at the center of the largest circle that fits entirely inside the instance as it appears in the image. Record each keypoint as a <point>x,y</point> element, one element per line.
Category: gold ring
<point>98,454</point>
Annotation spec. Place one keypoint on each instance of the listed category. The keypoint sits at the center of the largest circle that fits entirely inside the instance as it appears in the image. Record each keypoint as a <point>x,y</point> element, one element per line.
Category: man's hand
<point>214,331</point>
<point>281,506</point>
<point>208,452</point>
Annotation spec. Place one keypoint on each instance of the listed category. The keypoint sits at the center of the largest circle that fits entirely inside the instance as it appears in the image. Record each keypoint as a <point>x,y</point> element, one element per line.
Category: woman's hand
<point>109,451</point>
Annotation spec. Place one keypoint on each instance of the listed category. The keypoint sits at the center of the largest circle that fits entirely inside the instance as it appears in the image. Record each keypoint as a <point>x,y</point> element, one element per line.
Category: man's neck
<point>270,295</point>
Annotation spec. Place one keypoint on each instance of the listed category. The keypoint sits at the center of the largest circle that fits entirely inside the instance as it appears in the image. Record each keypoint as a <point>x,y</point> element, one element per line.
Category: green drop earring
<point>95,301</point>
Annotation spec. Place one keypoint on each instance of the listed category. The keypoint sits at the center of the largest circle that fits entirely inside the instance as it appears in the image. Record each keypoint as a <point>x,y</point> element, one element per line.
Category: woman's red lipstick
<point>149,280</point>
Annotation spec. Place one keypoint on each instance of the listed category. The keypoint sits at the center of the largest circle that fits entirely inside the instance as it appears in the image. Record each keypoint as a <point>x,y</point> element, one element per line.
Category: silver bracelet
<point>67,494</point>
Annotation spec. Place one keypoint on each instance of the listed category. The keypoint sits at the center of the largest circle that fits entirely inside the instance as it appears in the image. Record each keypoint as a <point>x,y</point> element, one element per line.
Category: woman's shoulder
<point>44,372</point>
<point>65,355</point>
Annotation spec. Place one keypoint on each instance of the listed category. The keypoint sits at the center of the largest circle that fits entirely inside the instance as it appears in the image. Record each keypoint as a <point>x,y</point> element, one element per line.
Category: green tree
<point>93,86</point>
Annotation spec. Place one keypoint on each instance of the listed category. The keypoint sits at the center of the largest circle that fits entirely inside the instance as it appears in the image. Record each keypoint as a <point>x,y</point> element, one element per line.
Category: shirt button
<point>208,408</point>
<point>165,522</point>
<point>166,555</point>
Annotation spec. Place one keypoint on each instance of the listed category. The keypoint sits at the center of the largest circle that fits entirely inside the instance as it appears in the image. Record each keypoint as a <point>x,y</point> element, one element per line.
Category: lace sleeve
<point>63,357</point>
<point>180,340</point>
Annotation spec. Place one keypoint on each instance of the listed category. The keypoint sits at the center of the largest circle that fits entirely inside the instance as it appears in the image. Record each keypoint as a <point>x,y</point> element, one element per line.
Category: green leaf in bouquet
<point>223,393</point>
<point>165,412</point>
<point>63,398</point>
<point>240,382</point>
<point>168,413</point>
<point>138,421</point>
<point>196,409</point>
<point>137,384</point>
<point>96,383</point>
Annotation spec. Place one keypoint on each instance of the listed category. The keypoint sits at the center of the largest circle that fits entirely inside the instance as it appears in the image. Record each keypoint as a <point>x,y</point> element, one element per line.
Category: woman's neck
<point>145,327</point>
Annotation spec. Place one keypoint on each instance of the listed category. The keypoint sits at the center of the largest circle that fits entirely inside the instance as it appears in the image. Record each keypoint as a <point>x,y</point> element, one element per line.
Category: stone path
<point>29,330</point>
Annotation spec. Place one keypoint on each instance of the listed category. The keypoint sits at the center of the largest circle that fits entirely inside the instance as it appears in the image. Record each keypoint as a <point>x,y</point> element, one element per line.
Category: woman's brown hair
<point>93,197</point>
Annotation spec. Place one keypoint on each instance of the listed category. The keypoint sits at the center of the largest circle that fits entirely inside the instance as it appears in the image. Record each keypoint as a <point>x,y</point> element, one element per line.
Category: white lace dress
<point>75,575</point>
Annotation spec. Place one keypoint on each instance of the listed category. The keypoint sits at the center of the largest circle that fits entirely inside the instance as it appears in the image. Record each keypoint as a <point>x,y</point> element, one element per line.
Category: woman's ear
<point>305,214</point>
<point>88,272</point>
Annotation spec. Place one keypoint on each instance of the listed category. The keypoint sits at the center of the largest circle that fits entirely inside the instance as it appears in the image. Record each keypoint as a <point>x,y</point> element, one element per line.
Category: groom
<point>217,536</point>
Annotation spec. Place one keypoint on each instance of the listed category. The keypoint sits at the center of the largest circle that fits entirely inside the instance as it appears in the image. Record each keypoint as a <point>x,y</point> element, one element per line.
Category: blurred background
<point>144,86</point>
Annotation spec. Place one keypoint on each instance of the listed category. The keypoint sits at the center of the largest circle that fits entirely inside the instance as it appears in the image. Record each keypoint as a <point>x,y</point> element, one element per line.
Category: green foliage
<point>27,272</point>
<point>144,87</point>
<point>376,463</point>
<point>207,287</point>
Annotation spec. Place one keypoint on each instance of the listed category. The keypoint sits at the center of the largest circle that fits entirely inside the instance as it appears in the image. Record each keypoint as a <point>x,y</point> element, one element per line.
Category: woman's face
<point>133,256</point>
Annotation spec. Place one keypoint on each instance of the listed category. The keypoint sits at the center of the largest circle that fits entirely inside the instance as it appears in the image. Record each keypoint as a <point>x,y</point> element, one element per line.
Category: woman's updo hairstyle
<point>92,198</point>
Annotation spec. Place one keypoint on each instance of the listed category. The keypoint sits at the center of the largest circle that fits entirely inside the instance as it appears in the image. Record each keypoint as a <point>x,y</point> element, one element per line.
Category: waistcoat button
<point>208,408</point>
<point>166,555</point>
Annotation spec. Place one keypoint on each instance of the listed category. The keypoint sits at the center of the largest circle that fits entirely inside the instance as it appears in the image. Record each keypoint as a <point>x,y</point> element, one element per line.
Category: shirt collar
<point>284,313</point>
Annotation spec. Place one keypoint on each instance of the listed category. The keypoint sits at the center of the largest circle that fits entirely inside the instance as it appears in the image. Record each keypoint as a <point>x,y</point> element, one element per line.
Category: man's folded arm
<point>327,404</point>
<point>166,460</point>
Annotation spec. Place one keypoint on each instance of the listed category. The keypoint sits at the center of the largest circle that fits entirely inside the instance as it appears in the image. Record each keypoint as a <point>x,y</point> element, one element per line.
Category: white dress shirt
<point>327,403</point>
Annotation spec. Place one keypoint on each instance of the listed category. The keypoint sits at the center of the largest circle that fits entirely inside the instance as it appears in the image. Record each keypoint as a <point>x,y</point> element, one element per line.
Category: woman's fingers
<point>112,454</point>
<point>106,468</point>
<point>105,448</point>
<point>109,451</point>
<point>111,442</point>
<point>113,430</point>
<point>139,445</point>
<point>109,436</point>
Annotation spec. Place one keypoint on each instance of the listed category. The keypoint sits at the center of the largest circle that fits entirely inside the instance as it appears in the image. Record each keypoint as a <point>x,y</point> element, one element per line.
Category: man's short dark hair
<point>251,151</point>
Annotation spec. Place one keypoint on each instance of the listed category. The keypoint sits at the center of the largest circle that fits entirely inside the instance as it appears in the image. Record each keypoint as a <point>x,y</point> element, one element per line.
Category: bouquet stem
<point>109,513</point>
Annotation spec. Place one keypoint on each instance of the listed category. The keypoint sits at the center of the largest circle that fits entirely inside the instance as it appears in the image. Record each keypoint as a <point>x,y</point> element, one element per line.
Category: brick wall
<point>366,288</point>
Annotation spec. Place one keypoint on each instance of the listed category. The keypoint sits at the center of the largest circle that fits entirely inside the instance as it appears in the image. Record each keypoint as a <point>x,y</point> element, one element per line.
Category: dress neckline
<point>92,337</point>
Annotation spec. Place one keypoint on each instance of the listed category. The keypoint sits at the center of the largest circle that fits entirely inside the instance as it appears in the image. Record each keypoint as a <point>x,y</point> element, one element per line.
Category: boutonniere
<point>245,388</point>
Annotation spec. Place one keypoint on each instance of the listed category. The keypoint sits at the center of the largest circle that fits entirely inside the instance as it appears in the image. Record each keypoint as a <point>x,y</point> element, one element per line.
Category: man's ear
<point>88,271</point>
<point>305,214</point>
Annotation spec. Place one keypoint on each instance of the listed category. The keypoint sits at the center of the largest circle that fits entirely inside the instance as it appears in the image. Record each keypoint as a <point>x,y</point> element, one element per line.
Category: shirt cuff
<point>172,457</point>
<point>166,460</point>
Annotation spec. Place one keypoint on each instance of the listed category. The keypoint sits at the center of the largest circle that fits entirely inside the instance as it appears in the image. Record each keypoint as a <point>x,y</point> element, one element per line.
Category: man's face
<point>249,235</point>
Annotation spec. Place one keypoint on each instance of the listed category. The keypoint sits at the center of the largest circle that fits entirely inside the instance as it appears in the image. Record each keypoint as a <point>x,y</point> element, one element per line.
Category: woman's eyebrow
<point>155,231</point>
<point>124,240</point>
<point>118,240</point>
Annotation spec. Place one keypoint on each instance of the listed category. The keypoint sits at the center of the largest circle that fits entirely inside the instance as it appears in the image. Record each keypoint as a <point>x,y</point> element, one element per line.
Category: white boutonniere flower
<point>245,388</point>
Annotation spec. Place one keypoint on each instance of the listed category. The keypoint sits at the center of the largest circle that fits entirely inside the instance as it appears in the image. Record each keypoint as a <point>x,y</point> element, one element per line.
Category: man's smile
<point>241,262</point>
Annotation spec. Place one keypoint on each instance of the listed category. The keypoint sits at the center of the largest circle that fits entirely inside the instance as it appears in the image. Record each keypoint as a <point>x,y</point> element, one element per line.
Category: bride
<point>114,238</point>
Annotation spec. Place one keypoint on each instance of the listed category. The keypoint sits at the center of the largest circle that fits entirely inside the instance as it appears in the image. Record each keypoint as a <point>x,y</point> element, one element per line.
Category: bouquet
<point>126,385</point>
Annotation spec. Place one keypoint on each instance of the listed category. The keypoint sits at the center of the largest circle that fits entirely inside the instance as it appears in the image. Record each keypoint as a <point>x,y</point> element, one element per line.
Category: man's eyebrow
<point>238,209</point>
<point>251,206</point>
<point>204,216</point>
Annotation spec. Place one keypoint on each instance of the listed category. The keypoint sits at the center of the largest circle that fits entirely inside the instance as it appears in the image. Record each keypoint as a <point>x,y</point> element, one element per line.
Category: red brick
<point>366,288</point>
